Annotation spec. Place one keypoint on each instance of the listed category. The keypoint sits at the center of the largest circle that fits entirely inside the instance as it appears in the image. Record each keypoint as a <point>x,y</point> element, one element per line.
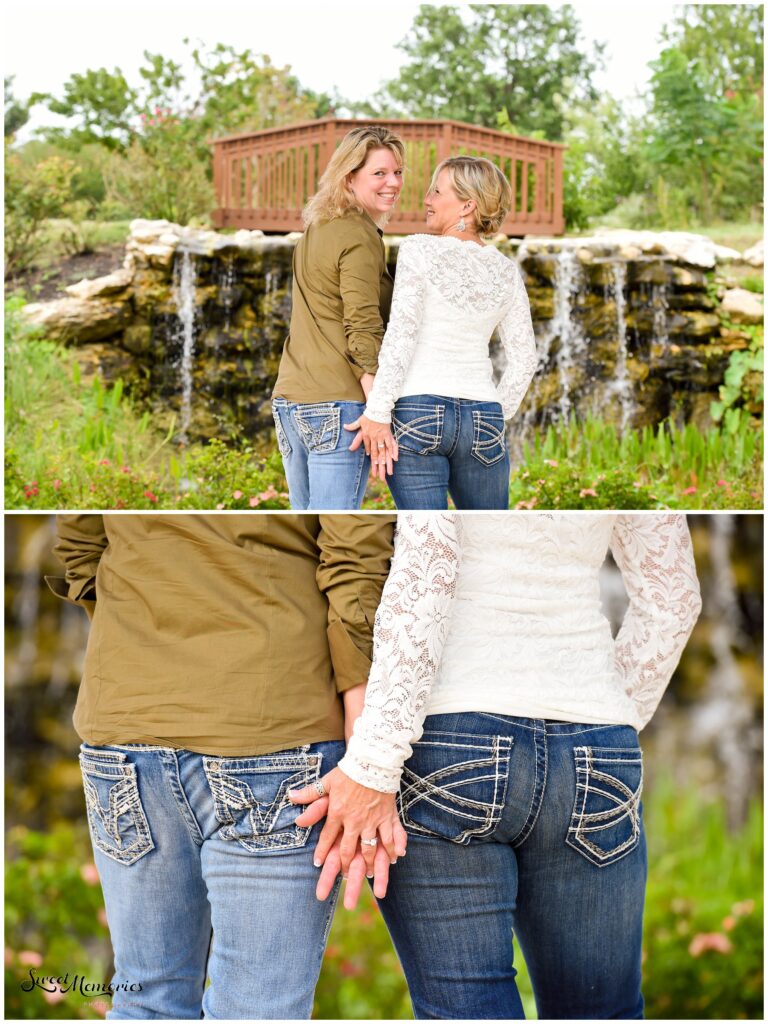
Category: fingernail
<point>318,863</point>
<point>369,874</point>
<point>393,861</point>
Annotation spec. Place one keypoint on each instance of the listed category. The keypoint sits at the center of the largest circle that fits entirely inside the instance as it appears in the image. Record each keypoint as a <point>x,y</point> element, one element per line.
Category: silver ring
<point>369,842</point>
<point>321,790</point>
<point>381,445</point>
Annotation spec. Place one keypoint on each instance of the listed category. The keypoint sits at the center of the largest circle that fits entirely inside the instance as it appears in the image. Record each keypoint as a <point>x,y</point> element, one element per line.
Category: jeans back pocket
<point>605,824</point>
<point>418,426</point>
<point>250,797</point>
<point>278,411</point>
<point>488,441</point>
<point>116,818</point>
<point>454,786</point>
<point>319,426</point>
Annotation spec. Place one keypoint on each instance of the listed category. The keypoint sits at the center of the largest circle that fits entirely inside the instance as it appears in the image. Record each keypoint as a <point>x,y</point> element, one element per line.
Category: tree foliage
<point>16,113</point>
<point>514,60</point>
<point>159,131</point>
<point>706,110</point>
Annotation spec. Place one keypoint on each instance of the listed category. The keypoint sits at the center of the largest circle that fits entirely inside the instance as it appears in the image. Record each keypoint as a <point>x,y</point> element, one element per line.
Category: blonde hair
<point>334,197</point>
<point>474,177</point>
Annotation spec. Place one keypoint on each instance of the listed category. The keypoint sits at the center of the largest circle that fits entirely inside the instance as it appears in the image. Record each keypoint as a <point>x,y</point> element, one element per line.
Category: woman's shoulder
<point>351,226</point>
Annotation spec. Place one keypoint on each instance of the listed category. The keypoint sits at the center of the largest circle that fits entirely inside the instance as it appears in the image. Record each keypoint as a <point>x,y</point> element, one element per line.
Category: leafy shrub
<point>32,195</point>
<point>54,923</point>
<point>741,393</point>
<point>703,933</point>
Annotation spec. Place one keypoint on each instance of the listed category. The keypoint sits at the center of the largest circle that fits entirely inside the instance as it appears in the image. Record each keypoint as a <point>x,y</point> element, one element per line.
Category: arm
<point>411,627</point>
<point>400,338</point>
<point>655,556</point>
<point>355,553</point>
<point>80,542</point>
<point>360,287</point>
<point>519,344</point>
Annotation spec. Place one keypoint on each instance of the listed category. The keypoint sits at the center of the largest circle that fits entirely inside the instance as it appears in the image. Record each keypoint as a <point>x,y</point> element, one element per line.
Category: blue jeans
<point>449,445</point>
<point>526,826</point>
<point>321,471</point>
<point>187,845</point>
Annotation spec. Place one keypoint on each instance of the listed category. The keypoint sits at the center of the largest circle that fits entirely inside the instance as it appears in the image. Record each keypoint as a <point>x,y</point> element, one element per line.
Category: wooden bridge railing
<point>263,179</point>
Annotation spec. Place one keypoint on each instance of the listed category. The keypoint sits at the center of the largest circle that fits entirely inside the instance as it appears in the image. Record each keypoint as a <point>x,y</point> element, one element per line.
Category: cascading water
<point>226,284</point>
<point>621,388</point>
<point>184,297</point>
<point>660,304</point>
<point>572,343</point>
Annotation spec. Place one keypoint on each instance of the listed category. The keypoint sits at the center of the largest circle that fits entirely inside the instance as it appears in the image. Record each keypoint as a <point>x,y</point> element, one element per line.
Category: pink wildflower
<point>587,492</point>
<point>690,490</point>
<point>705,941</point>
<point>152,497</point>
<point>237,495</point>
<point>89,874</point>
<point>30,958</point>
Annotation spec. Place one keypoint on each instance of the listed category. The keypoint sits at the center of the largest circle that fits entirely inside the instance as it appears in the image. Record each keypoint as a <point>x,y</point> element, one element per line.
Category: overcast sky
<point>351,47</point>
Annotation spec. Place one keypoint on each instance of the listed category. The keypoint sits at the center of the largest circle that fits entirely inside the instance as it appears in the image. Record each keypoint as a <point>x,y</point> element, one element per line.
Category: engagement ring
<point>369,842</point>
<point>321,790</point>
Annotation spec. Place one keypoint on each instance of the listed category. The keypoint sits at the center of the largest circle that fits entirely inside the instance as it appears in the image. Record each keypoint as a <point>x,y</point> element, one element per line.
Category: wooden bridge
<point>263,179</point>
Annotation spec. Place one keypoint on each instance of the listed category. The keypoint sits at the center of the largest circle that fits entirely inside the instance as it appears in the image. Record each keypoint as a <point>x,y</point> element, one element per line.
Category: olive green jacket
<point>342,293</point>
<point>222,634</point>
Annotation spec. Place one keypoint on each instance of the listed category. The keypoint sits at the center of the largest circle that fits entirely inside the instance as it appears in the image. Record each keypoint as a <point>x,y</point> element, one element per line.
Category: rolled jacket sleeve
<point>355,555</point>
<point>80,542</point>
<point>360,269</point>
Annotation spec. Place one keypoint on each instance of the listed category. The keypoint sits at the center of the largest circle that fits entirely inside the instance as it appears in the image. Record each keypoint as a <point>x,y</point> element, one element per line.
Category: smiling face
<point>443,207</point>
<point>378,183</point>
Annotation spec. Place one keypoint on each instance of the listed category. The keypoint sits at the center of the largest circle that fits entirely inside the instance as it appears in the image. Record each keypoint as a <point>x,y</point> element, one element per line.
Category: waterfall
<point>660,304</point>
<point>569,334</point>
<point>226,282</point>
<point>621,387</point>
<point>184,297</point>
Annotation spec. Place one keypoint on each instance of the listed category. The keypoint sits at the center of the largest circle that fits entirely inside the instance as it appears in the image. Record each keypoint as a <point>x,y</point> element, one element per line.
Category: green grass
<point>662,467</point>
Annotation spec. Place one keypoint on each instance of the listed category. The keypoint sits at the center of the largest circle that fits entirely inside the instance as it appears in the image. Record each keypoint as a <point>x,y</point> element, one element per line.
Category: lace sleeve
<point>655,556</point>
<point>519,344</point>
<point>408,638</point>
<point>400,337</point>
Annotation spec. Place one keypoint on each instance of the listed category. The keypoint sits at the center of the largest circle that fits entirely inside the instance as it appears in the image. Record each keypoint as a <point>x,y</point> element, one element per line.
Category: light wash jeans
<point>321,471</point>
<point>521,826</point>
<point>187,845</point>
<point>449,446</point>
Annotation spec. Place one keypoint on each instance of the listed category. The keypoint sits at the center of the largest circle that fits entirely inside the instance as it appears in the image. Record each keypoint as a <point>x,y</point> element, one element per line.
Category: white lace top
<point>502,614</point>
<point>449,297</point>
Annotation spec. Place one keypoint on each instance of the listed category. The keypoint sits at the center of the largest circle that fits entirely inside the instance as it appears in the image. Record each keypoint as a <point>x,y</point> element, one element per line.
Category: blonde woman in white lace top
<point>507,716</point>
<point>435,381</point>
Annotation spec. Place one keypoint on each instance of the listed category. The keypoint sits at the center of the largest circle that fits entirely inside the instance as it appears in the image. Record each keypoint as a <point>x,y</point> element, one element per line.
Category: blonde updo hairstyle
<point>334,198</point>
<point>474,177</point>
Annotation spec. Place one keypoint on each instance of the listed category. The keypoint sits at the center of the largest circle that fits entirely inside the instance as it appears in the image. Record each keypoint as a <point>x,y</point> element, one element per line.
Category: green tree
<point>726,40</point>
<point>603,163</point>
<point>709,145</point>
<point>159,131</point>
<point>517,60</point>
<point>102,104</point>
<point>16,112</point>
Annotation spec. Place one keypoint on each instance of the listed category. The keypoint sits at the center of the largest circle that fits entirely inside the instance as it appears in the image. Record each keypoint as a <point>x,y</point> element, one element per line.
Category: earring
<point>461,226</point>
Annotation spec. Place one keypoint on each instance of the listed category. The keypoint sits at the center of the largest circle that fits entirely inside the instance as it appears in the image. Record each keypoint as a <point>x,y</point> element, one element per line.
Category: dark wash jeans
<point>529,827</point>
<point>449,446</point>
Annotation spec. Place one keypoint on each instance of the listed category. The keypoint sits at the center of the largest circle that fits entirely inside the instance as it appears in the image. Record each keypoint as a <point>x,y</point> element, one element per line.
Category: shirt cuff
<point>350,665</point>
